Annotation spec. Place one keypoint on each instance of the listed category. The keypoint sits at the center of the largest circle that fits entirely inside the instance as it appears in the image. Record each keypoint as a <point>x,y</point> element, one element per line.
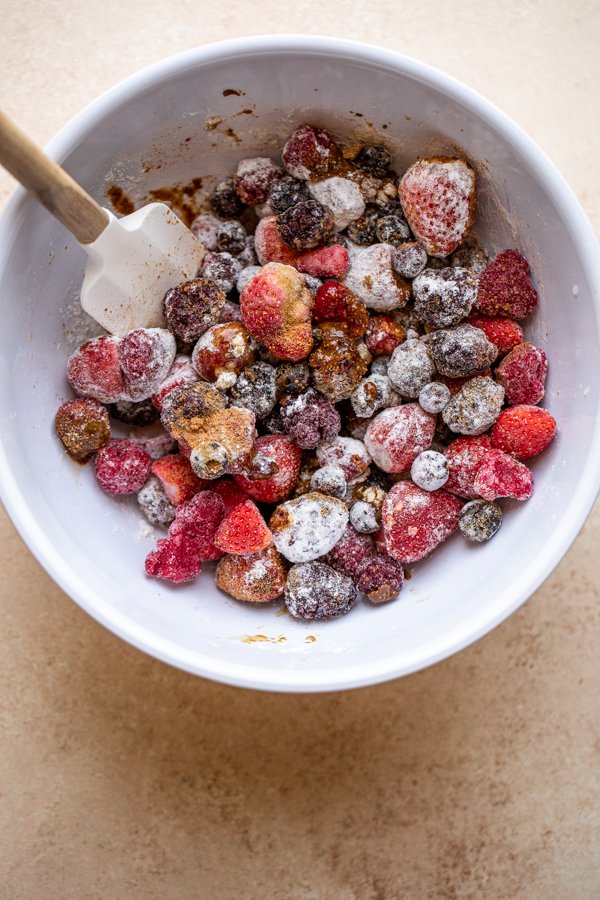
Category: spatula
<point>132,261</point>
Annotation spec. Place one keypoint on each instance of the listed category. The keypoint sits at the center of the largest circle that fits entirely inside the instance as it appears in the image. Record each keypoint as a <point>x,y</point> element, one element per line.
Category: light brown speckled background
<point>122,778</point>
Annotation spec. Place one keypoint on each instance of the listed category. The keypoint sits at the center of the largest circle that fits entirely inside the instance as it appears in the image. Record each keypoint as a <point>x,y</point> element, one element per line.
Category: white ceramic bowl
<point>94,546</point>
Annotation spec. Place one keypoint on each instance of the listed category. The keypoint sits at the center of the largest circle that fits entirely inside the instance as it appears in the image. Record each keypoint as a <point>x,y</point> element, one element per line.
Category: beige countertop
<point>123,778</point>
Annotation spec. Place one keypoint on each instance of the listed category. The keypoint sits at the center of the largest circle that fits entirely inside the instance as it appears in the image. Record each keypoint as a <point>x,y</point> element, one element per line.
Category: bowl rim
<point>573,517</point>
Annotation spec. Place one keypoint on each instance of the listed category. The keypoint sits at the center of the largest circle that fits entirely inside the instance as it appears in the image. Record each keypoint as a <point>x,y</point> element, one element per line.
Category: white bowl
<point>94,546</point>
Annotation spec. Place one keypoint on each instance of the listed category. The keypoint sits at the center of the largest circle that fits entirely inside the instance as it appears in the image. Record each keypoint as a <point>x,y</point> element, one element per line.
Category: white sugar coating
<point>444,297</point>
<point>440,226</point>
<point>263,210</point>
<point>372,278</point>
<point>206,227</point>
<point>225,381</point>
<point>257,571</point>
<point>246,275</point>
<point>395,436</point>
<point>329,480</point>
<point>475,407</point>
<point>312,283</point>
<point>85,384</point>
<point>349,454</point>
<point>373,392</point>
<point>260,172</point>
<point>434,397</point>
<point>412,334</point>
<point>379,366</point>
<point>430,470</point>
<point>363,517</point>
<point>181,373</point>
<point>312,526</point>
<point>342,197</point>
<point>161,347</point>
<point>410,368</point>
<point>409,259</point>
<point>155,504</point>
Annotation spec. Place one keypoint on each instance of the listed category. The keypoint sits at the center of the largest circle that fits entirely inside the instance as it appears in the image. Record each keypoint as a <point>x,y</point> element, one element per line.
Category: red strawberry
<point>465,455</point>
<point>177,477</point>
<point>415,521</point>
<point>174,559</point>
<point>438,199</point>
<point>276,309</point>
<point>505,287</point>
<point>180,374</point>
<point>284,452</point>
<point>269,245</point>
<point>335,302</point>
<point>523,430</point>
<point>324,262</point>
<point>94,370</point>
<point>501,475</point>
<point>229,493</point>
<point>243,530</point>
<point>197,522</point>
<point>504,333</point>
<point>396,436</point>
<point>522,374</point>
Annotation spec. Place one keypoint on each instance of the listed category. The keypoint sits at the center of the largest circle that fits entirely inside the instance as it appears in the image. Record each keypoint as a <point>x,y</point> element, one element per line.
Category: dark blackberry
<point>141,413</point>
<point>306,225</point>
<point>374,159</point>
<point>225,201</point>
<point>364,229</point>
<point>231,237</point>
<point>392,229</point>
<point>287,192</point>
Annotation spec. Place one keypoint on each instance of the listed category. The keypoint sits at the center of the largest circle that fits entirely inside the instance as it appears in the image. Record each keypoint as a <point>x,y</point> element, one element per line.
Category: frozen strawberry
<point>287,457</point>
<point>243,530</point>
<point>311,152</point>
<point>270,246</point>
<point>416,521</point>
<point>145,356</point>
<point>196,523</point>
<point>438,199</point>
<point>177,477</point>
<point>383,336</point>
<point>122,467</point>
<point>256,578</point>
<point>254,178</point>
<point>180,374</point>
<point>465,455</point>
<point>396,436</point>
<point>174,559</point>
<point>334,302</point>
<point>229,492</point>
<point>307,527</point>
<point>83,427</point>
<point>276,309</point>
<point>504,333</point>
<point>505,287</point>
<point>93,370</point>
<point>324,262</point>
<point>501,475</point>
<point>522,374</point>
<point>523,431</point>
<point>222,352</point>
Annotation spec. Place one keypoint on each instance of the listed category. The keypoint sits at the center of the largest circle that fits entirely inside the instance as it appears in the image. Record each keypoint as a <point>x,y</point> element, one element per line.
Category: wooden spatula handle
<point>56,190</point>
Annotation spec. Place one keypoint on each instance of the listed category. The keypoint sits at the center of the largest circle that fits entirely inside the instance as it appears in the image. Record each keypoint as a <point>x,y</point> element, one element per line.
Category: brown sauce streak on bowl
<point>182,198</point>
<point>234,92</point>
<point>119,199</point>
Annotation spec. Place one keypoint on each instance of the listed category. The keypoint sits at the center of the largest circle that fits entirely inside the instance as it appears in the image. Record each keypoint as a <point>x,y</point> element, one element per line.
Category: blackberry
<point>392,229</point>
<point>287,192</point>
<point>375,160</point>
<point>224,200</point>
<point>364,229</point>
<point>231,237</point>
<point>306,225</point>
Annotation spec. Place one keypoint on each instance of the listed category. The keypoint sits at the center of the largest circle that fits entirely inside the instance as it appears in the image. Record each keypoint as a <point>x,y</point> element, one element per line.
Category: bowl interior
<point>197,116</point>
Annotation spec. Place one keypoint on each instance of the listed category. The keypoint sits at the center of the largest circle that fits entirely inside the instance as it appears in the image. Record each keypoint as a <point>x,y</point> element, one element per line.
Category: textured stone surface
<point>122,778</point>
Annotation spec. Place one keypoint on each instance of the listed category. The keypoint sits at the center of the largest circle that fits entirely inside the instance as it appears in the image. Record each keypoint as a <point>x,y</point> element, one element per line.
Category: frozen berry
<point>352,549</point>
<point>333,301</point>
<point>192,307</point>
<point>465,455</point>
<point>141,412</point>
<point>415,521</point>
<point>231,237</point>
<point>222,268</point>
<point>243,530</point>
<point>409,259</point>
<point>177,478</point>
<point>310,152</point>
<point>255,389</point>
<point>145,356</point>
<point>363,231</point>
<point>256,578</point>
<point>122,467</point>
<point>523,430</point>
<point>180,374</point>
<point>505,287</point>
<point>276,309</point>
<point>480,520</point>
<point>364,517</point>
<point>430,470</point>
<point>309,418</point>
<point>373,279</point>
<point>197,521</point>
<point>292,378</point>
<point>443,297</point>
<point>434,397</point>
<point>253,179</point>
<point>375,159</point>
<point>205,228</point>
<point>286,192</point>
<point>392,229</point>
<point>329,480</point>
<point>410,368</point>
<point>383,335</point>
<point>270,247</point>
<point>348,453</point>
<point>246,275</point>
<point>504,333</point>
<point>225,200</point>
<point>222,352</point>
<point>155,504</point>
<point>396,436</point>
<point>332,261</point>
<point>173,560</point>
<point>342,197</point>
<point>308,527</point>
<point>460,351</point>
<point>94,370</point>
<point>501,475</point>
<point>380,579</point>
<point>337,363</point>
<point>305,225</point>
<point>373,393</point>
<point>438,199</point>
<point>287,457</point>
<point>316,591</point>
<point>475,407</point>
<point>83,427</point>
<point>472,257</point>
<point>522,374</point>
<point>153,439</point>
<point>230,493</point>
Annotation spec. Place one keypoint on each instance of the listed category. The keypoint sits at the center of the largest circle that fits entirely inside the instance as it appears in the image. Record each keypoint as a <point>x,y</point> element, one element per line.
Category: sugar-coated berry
<point>331,261</point>
<point>177,478</point>
<point>501,475</point>
<point>286,192</point>
<point>256,389</point>
<point>255,578</point>
<point>246,275</point>
<point>410,368</point>
<point>443,296</point>
<point>430,470</point>
<point>461,351</point>
<point>380,579</point>
<point>383,336</point>
<point>375,159</point>
<point>373,393</point>
<point>174,559</point>
<point>480,520</point>
<point>329,480</point>
<point>192,307</point>
<point>348,453</point>
<point>363,231</point>
<point>222,353</point>
<point>503,332</point>
<point>465,455</point>
<point>276,307</point>
<point>475,407</point>
<point>470,256</point>
<point>316,591</point>
<point>396,436</point>
<point>122,467</point>
<point>222,268</point>
<point>309,418</point>
<point>225,201</point>
<point>337,362</point>
<point>308,527</point>
<point>350,551</point>
<point>286,456</point>
<point>409,259</point>
<point>153,439</point>
<point>523,430</point>
<point>342,197</point>
<point>522,374</point>
<point>155,504</point>
<point>505,287</point>
<point>306,225</point>
<point>231,237</point>
<point>434,397</point>
<point>94,370</point>
<point>392,229</point>
<point>333,301</point>
<point>310,152</point>
<point>253,179</point>
<point>83,426</point>
<point>415,521</point>
<point>364,517</point>
<point>205,228</point>
<point>180,374</point>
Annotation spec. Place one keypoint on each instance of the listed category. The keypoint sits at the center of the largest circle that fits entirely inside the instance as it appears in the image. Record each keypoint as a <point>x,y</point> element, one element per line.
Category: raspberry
<point>146,356</point>
<point>348,453</point>
<point>479,520</point>
<point>141,412</point>
<point>83,427</point>
<point>255,389</point>
<point>392,229</point>
<point>222,352</point>
<point>282,450</point>
<point>475,407</point>
<point>94,371</point>
<point>173,560</point>
<point>154,503</point>
<point>416,521</point>
<point>465,455</point>
<point>270,246</point>
<point>375,159</point>
<point>225,200</point>
<point>309,418</point>
<point>276,307</point>
<point>305,225</point>
<point>342,197</point>
<point>522,374</point>
<point>333,301</point>
<point>430,470</point>
<point>383,335</point>
<point>222,268</point>
<point>396,436</point>
<point>444,296</point>
<point>316,591</point>
<point>380,579</point>
<point>337,363</point>
<point>438,199</point>
<point>256,578</point>
<point>373,279</point>
<point>192,307</point>
<point>308,527</point>
<point>409,259</point>
<point>122,467</point>
<point>287,192</point>
<point>504,333</point>
<point>243,530</point>
<point>462,350</point>
<point>254,178</point>
<point>352,549</point>
<point>329,480</point>
<point>177,478</point>
<point>310,152</point>
<point>505,287</point>
<point>410,368</point>
<point>523,431</point>
<point>501,475</point>
<point>231,237</point>
<point>324,262</point>
<point>197,521</point>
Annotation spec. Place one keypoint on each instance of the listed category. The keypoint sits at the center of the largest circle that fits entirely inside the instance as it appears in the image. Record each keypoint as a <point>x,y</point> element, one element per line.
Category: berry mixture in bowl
<point>334,394</point>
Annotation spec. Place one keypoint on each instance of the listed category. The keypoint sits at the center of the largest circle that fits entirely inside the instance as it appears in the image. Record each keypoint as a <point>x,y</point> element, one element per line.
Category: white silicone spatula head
<point>133,260</point>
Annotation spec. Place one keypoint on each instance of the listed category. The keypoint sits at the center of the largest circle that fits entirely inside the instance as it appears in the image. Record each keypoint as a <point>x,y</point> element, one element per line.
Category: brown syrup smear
<point>261,639</point>
<point>182,198</point>
<point>234,92</point>
<point>119,199</point>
